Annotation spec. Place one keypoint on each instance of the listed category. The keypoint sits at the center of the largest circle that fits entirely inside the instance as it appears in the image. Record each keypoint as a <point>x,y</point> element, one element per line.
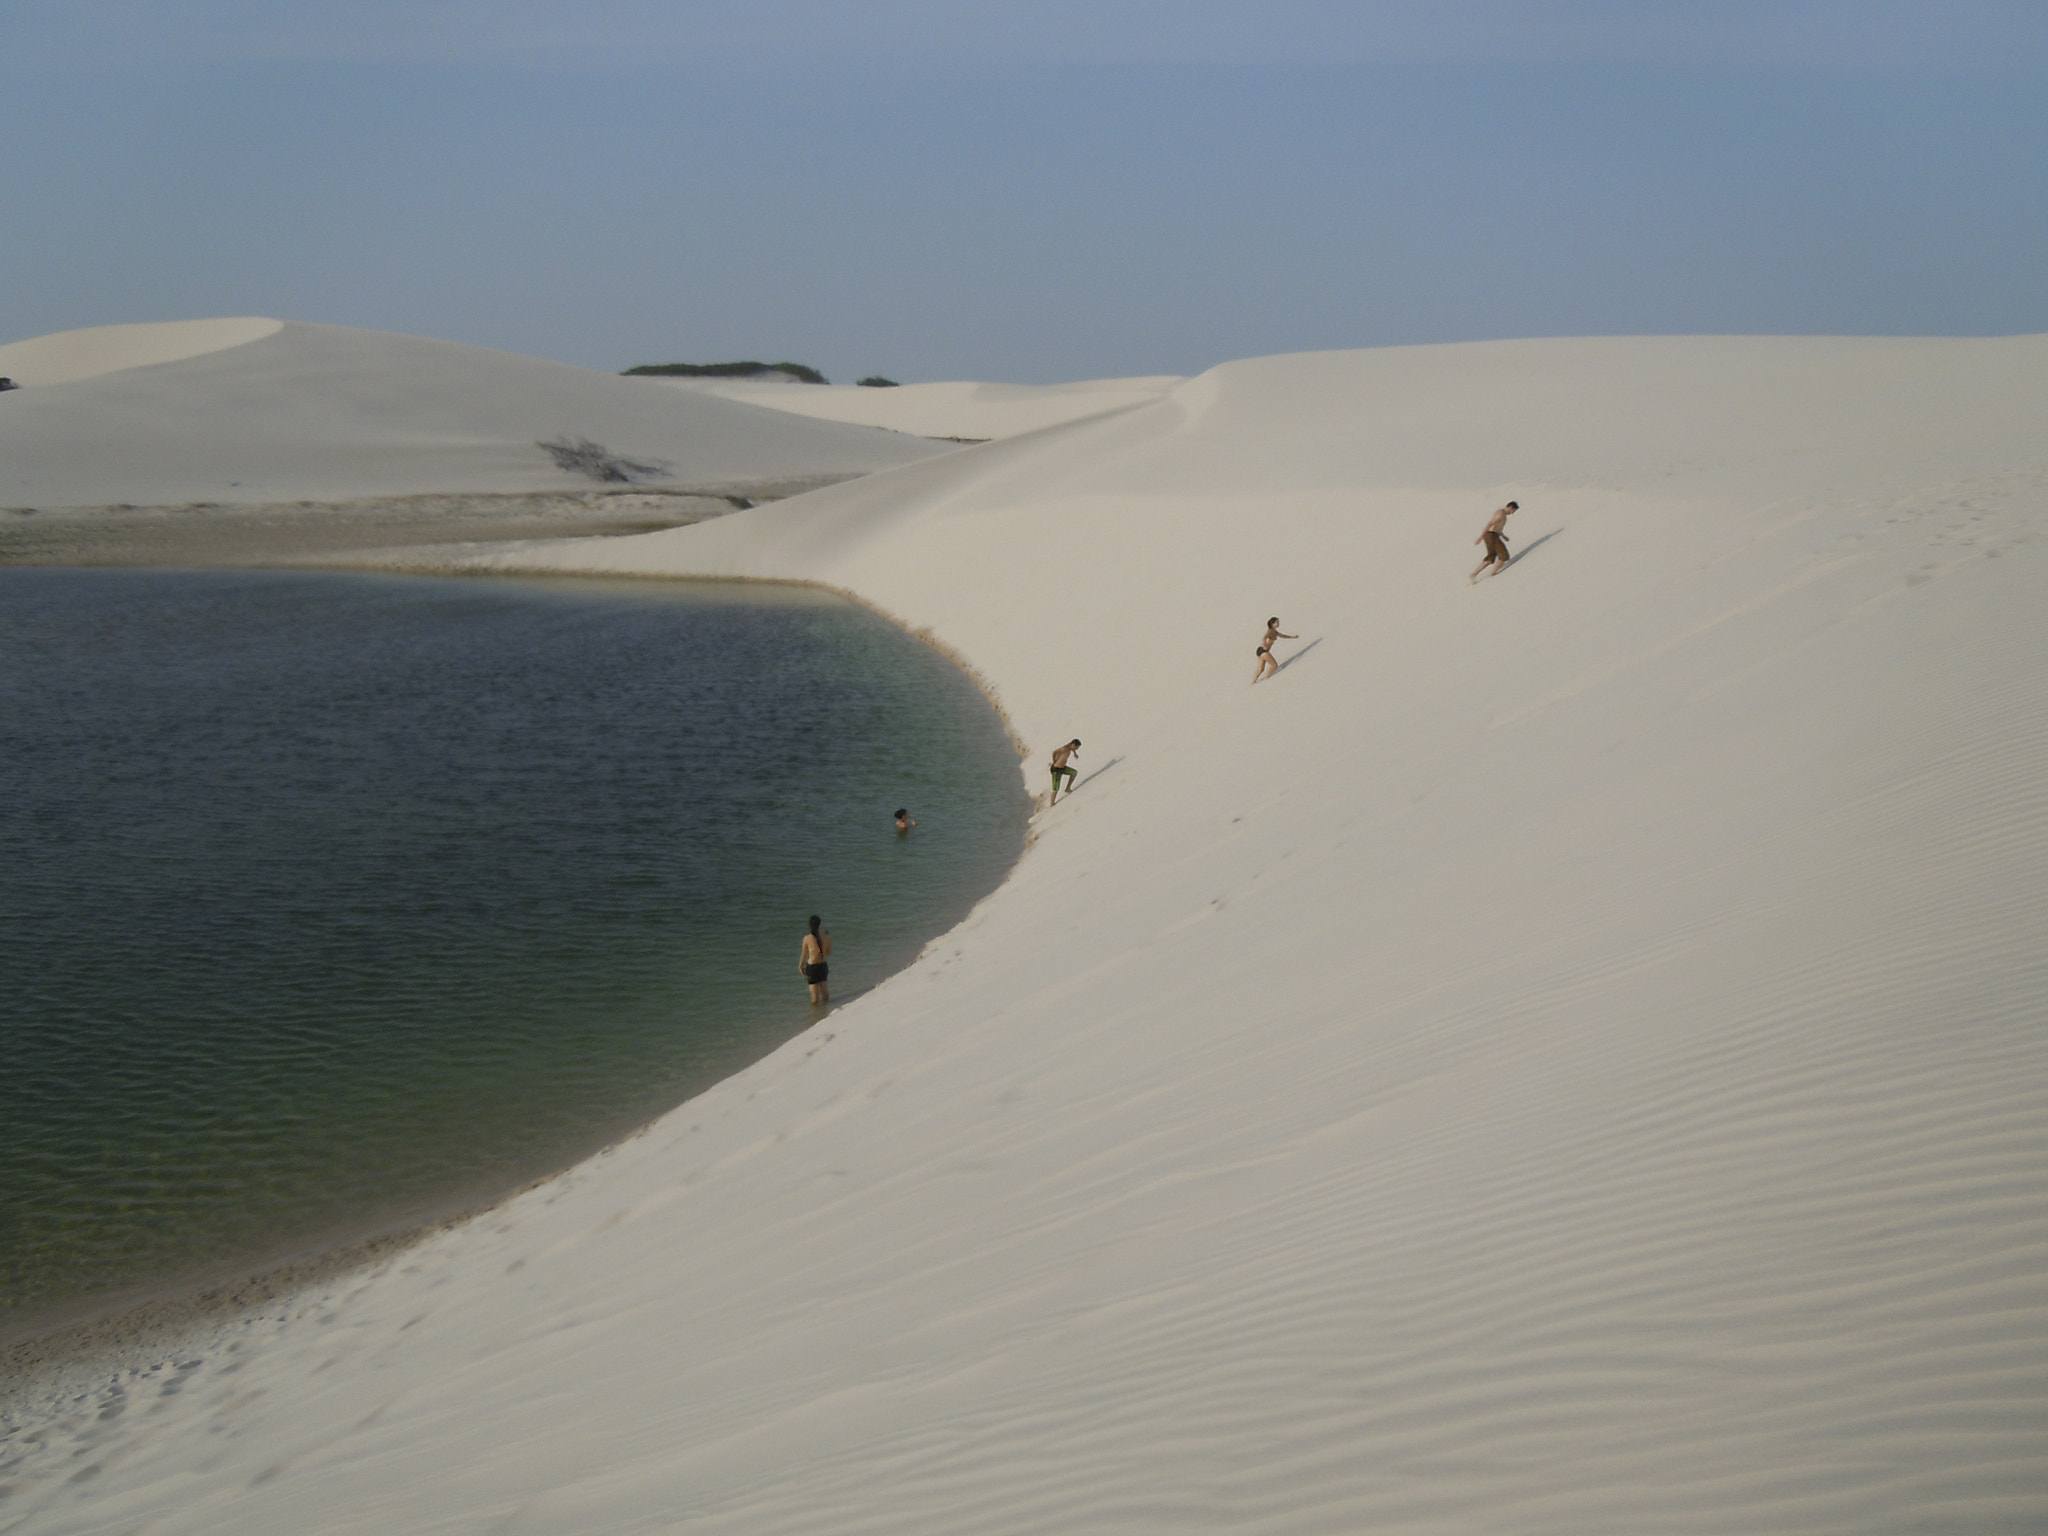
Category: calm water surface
<point>332,902</point>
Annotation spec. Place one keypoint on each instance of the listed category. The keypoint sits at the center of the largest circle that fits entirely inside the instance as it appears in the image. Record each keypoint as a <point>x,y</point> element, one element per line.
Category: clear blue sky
<point>1041,190</point>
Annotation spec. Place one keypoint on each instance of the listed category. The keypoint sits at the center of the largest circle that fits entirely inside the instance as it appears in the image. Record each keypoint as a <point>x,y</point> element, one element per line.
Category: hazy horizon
<point>1051,192</point>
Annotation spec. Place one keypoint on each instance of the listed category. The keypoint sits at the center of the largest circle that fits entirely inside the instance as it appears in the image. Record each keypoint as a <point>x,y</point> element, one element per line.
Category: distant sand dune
<point>1566,1058</point>
<point>214,536</point>
<point>326,414</point>
<point>961,411</point>
<point>69,356</point>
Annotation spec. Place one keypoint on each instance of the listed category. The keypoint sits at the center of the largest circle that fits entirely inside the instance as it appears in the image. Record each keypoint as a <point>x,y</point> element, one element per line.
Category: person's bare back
<point>811,957</point>
<point>1493,538</point>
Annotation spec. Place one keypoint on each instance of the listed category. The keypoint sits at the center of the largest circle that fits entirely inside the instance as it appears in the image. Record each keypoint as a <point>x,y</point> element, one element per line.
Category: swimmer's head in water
<point>901,813</point>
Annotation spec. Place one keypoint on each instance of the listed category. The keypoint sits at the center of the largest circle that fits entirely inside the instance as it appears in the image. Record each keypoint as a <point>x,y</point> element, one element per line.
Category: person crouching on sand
<point>1059,767</point>
<point>810,961</point>
<point>1495,538</point>
<point>1267,665</point>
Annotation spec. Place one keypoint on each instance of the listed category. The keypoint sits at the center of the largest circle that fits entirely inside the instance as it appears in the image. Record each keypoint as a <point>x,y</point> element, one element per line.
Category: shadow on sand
<point>1098,773</point>
<point>1290,661</point>
<point>1530,550</point>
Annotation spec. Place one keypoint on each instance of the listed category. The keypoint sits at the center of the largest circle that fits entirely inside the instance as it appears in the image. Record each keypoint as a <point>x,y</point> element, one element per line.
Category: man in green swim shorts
<point>1059,767</point>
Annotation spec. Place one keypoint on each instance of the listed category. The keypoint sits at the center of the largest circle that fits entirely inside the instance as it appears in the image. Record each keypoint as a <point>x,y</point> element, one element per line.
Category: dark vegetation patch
<point>876,381</point>
<point>580,456</point>
<point>800,372</point>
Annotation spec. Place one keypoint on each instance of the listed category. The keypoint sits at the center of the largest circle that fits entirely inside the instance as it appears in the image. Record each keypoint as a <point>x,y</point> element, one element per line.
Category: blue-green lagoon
<point>332,904</point>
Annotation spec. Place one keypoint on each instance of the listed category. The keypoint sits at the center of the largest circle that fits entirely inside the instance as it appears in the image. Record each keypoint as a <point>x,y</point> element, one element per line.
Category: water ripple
<point>333,901</point>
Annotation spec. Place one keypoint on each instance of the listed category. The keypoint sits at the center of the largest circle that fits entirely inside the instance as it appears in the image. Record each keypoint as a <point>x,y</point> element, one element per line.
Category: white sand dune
<point>954,410</point>
<point>1564,1056</point>
<point>68,356</point>
<point>228,412</point>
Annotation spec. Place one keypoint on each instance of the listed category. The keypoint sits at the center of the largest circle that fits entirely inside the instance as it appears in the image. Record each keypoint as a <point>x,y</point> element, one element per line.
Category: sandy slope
<point>975,412</point>
<point>324,413</point>
<point>68,356</point>
<point>1564,1057</point>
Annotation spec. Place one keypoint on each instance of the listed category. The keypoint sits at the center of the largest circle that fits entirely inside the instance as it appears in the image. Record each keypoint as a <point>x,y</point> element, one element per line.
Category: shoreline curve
<point>142,1326</point>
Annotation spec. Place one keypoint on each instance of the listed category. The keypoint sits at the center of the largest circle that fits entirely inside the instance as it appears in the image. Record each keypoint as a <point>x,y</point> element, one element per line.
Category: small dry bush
<point>580,456</point>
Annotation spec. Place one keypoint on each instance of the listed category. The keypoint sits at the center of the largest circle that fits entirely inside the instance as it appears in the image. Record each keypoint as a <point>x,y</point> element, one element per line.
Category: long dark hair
<point>815,920</point>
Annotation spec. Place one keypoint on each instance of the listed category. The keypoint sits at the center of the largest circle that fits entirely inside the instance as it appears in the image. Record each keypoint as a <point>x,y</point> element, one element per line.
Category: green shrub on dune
<point>800,372</point>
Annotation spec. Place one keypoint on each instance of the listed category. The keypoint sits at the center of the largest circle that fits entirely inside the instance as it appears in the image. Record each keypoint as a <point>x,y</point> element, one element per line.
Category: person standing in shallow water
<point>1267,665</point>
<point>810,961</point>
<point>903,821</point>
<point>1059,768</point>
<point>1494,536</point>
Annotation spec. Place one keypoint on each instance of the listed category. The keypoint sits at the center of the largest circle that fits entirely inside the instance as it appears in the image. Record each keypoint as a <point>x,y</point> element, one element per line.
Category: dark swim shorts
<point>815,974</point>
<point>1496,547</point>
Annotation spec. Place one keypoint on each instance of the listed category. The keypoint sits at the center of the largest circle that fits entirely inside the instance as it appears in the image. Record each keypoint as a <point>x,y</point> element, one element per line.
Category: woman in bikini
<point>810,960</point>
<point>1267,665</point>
